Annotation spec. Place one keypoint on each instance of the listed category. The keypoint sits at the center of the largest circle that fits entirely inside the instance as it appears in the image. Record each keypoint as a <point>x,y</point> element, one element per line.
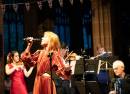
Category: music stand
<point>90,77</point>
<point>106,62</point>
<point>79,67</point>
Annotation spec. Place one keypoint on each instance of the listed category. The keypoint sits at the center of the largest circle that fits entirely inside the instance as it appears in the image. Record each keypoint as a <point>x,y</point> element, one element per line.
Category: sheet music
<point>72,64</point>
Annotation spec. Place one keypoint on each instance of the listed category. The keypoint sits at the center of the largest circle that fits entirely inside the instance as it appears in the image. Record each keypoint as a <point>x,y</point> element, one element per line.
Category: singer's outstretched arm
<point>26,55</point>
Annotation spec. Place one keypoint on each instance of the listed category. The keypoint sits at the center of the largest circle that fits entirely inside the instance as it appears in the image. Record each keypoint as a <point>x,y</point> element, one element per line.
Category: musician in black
<point>121,83</point>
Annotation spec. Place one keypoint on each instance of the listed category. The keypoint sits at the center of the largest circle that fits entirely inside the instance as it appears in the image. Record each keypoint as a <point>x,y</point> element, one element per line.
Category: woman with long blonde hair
<point>47,60</point>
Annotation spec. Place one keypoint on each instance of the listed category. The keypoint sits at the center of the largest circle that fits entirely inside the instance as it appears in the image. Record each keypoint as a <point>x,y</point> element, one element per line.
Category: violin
<point>71,56</point>
<point>19,62</point>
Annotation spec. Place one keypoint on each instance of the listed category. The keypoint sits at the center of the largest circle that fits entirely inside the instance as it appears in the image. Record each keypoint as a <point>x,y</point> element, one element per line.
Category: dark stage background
<point>120,14</point>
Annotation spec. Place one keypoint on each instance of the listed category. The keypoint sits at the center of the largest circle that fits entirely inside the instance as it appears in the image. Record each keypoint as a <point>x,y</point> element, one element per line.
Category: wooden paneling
<point>101,25</point>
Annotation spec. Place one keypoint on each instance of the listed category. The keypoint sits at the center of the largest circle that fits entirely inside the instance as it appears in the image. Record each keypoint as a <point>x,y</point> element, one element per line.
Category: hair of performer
<point>118,67</point>
<point>41,58</point>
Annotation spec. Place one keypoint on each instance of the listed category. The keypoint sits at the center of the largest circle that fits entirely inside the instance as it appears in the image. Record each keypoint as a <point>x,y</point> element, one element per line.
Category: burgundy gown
<point>18,85</point>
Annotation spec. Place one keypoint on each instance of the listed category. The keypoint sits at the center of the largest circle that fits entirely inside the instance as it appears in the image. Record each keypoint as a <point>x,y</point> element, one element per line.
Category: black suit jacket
<point>123,84</point>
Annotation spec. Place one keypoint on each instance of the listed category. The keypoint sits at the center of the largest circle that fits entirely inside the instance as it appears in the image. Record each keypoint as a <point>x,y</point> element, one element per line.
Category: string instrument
<point>71,56</point>
<point>19,62</point>
<point>68,55</point>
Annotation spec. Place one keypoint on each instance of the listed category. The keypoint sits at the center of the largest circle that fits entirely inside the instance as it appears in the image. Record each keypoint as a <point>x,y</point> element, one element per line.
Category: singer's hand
<point>29,38</point>
<point>30,41</point>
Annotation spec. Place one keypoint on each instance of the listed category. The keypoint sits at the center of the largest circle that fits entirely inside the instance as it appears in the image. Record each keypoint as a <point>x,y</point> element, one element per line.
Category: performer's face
<point>119,70</point>
<point>16,57</point>
<point>100,50</point>
<point>45,41</point>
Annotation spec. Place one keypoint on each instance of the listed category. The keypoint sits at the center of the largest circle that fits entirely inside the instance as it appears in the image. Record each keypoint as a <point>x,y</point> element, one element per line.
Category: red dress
<point>18,85</point>
<point>42,84</point>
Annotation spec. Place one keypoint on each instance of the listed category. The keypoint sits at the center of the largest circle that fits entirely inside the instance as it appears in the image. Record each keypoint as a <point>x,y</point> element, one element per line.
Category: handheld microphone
<point>50,54</point>
<point>34,39</point>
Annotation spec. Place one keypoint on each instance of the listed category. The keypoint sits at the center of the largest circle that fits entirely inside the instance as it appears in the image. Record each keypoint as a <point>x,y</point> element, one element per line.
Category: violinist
<point>16,69</point>
<point>68,85</point>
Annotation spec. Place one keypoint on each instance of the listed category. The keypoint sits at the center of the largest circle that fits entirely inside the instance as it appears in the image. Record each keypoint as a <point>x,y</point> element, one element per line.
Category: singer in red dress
<point>17,71</point>
<point>50,54</point>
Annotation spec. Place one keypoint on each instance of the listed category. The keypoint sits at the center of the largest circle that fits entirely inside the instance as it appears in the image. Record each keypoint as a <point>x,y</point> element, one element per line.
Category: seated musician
<point>101,53</point>
<point>121,84</point>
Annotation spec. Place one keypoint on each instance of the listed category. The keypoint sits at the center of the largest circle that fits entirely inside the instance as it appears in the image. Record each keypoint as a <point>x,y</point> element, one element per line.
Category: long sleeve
<point>62,70</point>
<point>26,55</point>
<point>29,58</point>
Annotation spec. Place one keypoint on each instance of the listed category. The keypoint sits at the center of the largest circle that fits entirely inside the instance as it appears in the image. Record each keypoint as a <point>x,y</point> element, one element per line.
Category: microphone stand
<point>50,56</point>
<point>84,74</point>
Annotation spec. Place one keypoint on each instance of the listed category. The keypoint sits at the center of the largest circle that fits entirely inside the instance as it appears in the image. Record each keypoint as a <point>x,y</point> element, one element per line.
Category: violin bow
<point>68,55</point>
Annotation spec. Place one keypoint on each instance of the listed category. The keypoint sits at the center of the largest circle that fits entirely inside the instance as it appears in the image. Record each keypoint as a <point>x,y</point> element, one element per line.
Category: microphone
<point>34,39</point>
<point>50,54</point>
